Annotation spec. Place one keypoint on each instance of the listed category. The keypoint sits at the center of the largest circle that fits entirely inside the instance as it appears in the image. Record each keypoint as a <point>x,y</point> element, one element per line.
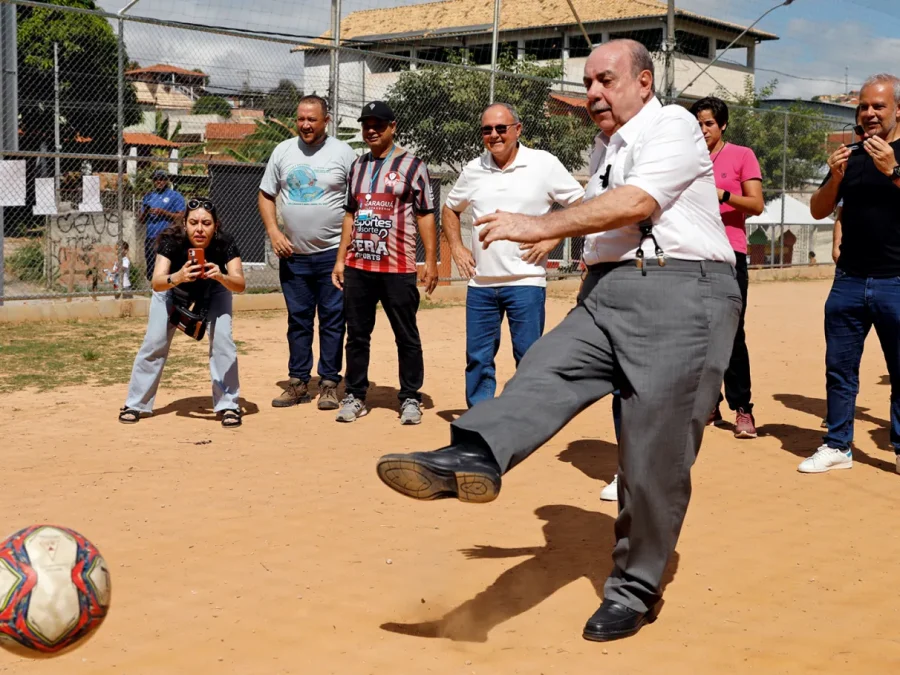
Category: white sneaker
<point>410,412</point>
<point>352,409</point>
<point>611,492</point>
<point>826,459</point>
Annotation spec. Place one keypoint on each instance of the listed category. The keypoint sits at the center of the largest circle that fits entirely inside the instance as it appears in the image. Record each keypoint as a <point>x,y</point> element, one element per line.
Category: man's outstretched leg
<point>562,373</point>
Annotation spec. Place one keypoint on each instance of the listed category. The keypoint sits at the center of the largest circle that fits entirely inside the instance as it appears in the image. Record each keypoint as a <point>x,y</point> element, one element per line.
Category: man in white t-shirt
<point>655,319</point>
<point>506,278</point>
<point>310,173</point>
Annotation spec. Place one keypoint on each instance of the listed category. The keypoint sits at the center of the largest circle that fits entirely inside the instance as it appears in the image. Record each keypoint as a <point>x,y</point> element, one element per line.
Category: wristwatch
<point>169,281</point>
<point>895,174</point>
<point>726,195</point>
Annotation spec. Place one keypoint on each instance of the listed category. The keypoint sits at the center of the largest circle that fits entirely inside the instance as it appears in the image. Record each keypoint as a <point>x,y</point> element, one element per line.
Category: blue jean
<point>854,306</point>
<point>306,284</point>
<point>485,307</point>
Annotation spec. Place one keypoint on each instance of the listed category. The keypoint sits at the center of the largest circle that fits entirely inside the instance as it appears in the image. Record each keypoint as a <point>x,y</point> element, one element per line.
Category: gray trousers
<point>151,358</point>
<point>664,340</point>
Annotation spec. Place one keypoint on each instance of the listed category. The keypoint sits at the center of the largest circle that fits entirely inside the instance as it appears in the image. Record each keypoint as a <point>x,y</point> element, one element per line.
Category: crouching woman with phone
<point>197,263</point>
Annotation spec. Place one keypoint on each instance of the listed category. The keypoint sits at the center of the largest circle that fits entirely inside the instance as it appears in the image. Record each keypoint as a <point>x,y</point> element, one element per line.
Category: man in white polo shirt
<point>507,278</point>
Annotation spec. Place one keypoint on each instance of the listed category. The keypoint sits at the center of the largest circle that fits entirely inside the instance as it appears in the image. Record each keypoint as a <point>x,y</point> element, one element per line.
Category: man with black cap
<point>388,199</point>
<point>159,209</point>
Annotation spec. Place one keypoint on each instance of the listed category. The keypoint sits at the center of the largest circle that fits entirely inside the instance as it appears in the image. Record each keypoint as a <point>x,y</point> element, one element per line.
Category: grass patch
<point>51,355</point>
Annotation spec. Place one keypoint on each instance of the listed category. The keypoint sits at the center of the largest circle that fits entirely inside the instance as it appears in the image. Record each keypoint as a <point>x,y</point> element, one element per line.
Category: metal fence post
<point>120,133</point>
<point>495,37</point>
<point>335,66</point>
<point>9,88</point>
<point>783,185</point>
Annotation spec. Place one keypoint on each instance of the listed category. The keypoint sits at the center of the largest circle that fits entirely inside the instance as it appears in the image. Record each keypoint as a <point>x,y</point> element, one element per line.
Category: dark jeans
<point>306,284</point>
<point>485,307</point>
<point>737,376</point>
<point>854,305</point>
<point>399,298</point>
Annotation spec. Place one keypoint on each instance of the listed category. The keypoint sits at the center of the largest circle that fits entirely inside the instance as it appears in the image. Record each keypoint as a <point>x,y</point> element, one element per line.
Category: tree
<point>258,146</point>
<point>161,127</point>
<point>439,110</point>
<point>762,130</point>
<point>282,100</point>
<point>212,105</point>
<point>88,78</point>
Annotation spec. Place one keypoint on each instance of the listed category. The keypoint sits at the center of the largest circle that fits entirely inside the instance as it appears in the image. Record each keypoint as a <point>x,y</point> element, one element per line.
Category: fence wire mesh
<point>99,110</point>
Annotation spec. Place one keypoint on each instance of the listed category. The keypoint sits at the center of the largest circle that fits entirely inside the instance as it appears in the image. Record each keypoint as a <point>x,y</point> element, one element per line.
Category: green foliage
<point>282,100</point>
<point>161,127</point>
<point>763,131</point>
<point>212,105</point>
<point>258,146</point>
<point>439,112</point>
<point>88,77</point>
<point>27,262</point>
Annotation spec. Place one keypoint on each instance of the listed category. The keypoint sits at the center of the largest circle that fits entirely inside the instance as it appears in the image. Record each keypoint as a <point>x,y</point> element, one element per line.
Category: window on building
<point>385,64</point>
<point>737,54</point>
<point>480,55</point>
<point>579,47</point>
<point>691,44</point>
<point>439,54</point>
<point>651,38</point>
<point>545,49</point>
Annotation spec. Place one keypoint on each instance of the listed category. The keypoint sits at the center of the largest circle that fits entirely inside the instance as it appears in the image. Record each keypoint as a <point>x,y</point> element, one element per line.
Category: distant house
<point>543,29</point>
<point>220,137</point>
<point>167,87</point>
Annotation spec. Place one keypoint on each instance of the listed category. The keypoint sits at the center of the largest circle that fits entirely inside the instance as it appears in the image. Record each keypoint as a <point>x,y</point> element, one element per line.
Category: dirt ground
<point>275,549</point>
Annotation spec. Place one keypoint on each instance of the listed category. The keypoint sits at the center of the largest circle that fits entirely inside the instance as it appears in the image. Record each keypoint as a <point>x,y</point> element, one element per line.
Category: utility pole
<point>495,39</point>
<point>57,145</point>
<point>670,53</point>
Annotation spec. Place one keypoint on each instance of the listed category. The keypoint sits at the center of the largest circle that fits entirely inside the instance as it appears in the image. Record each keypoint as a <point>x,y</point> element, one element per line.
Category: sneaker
<point>352,409</point>
<point>824,424</point>
<point>411,411</point>
<point>611,492</point>
<point>715,417</point>
<point>328,398</point>
<point>744,424</point>
<point>295,392</point>
<point>826,459</point>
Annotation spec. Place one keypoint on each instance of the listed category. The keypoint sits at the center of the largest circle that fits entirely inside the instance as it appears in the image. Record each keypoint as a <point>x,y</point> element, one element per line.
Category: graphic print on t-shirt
<point>373,226</point>
<point>301,186</point>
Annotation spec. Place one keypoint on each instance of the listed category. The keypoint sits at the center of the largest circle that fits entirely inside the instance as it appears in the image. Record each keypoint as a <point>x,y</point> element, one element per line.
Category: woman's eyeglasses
<point>200,204</point>
<point>501,129</point>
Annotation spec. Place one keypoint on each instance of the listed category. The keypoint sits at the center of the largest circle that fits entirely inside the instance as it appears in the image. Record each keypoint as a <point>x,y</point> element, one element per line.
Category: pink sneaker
<point>744,424</point>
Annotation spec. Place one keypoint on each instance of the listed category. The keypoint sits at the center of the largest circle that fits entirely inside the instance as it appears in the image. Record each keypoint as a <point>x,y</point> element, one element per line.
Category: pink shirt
<point>733,165</point>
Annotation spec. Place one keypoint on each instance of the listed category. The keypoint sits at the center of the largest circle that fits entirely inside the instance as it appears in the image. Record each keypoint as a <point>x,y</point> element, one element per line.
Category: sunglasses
<point>501,129</point>
<point>200,204</point>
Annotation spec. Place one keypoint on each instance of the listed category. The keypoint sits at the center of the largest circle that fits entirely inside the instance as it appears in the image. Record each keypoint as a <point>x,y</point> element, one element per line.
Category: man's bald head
<point>618,77</point>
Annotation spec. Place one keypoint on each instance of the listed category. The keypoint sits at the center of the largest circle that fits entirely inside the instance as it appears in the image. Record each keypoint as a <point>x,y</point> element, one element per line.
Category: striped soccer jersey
<point>385,196</point>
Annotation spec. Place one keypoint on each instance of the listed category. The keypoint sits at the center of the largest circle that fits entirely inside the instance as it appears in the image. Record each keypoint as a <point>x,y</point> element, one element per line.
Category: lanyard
<point>377,172</point>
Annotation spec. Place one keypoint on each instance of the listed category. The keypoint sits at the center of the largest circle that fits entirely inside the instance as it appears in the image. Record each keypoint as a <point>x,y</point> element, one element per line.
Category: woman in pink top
<point>739,182</point>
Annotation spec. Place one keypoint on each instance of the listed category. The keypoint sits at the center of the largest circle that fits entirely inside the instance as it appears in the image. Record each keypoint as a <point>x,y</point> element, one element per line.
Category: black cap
<point>160,174</point>
<point>377,109</point>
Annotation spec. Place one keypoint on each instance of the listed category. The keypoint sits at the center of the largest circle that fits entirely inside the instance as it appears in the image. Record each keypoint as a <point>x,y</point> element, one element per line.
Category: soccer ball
<point>54,589</point>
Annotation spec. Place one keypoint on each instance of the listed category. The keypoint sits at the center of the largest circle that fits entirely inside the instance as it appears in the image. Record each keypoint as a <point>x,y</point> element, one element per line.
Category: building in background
<point>542,29</point>
<point>167,87</point>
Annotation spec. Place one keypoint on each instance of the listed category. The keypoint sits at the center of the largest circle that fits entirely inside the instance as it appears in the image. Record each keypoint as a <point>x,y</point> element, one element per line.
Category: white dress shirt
<point>670,162</point>
<point>530,184</point>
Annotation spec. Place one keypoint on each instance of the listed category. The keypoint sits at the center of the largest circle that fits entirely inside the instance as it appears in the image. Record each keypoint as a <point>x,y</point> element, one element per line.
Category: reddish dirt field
<point>275,549</point>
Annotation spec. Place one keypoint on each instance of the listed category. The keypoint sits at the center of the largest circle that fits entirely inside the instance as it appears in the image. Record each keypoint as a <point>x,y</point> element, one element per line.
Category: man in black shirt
<point>866,290</point>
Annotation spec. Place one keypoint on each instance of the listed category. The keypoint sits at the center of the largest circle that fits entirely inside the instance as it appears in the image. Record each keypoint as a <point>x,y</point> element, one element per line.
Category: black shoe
<point>613,621</point>
<point>467,472</point>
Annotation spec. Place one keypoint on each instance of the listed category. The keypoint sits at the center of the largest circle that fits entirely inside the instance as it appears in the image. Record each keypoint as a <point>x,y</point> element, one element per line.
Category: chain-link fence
<point>98,110</point>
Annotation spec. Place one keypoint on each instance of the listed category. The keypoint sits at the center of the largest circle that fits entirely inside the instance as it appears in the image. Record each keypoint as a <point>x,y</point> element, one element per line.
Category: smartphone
<point>859,131</point>
<point>197,257</point>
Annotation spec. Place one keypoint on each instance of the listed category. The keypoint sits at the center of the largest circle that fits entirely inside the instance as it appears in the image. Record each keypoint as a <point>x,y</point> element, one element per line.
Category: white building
<point>544,29</point>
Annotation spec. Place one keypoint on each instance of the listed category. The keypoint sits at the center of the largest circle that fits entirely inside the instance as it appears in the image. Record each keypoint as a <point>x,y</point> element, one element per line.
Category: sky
<point>822,42</point>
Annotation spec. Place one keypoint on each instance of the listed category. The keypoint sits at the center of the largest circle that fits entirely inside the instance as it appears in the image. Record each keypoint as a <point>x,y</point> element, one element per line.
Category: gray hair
<point>640,59</point>
<point>885,78</point>
<point>512,110</point>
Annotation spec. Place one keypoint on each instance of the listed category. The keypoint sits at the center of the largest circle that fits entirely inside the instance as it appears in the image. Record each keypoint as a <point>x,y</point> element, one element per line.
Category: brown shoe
<point>328,398</point>
<point>295,392</point>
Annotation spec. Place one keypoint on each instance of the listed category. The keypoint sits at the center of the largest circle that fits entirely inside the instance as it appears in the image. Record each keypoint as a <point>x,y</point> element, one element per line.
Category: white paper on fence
<point>90,194</point>
<point>12,182</point>
<point>44,197</point>
<point>131,165</point>
<point>173,166</point>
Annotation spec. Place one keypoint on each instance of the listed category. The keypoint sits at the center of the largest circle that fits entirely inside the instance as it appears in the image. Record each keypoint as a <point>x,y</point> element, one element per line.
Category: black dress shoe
<point>613,621</point>
<point>467,472</point>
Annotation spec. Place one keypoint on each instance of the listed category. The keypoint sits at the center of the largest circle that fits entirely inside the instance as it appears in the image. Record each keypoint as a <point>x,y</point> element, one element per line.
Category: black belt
<point>704,267</point>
